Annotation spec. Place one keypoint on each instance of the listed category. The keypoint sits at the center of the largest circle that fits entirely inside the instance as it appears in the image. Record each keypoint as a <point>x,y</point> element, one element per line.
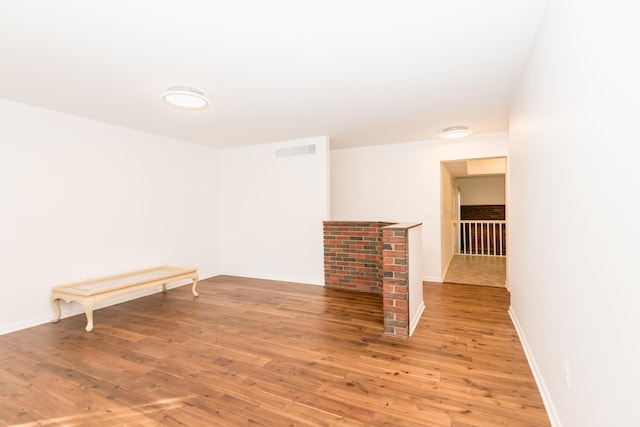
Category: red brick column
<point>395,287</point>
<point>353,255</point>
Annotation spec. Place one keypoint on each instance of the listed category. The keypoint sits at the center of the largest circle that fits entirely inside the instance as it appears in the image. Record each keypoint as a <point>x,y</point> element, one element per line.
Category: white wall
<point>574,149</point>
<point>273,211</point>
<point>416,297</point>
<point>481,190</point>
<point>446,219</point>
<point>85,199</point>
<point>401,182</point>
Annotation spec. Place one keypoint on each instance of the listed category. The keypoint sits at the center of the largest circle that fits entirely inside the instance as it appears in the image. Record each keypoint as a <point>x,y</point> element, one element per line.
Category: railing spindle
<point>475,233</point>
<point>493,234</point>
<point>471,244</point>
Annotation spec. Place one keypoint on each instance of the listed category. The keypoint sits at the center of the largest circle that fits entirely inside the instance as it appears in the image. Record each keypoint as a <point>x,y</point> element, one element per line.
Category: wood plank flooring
<point>251,352</point>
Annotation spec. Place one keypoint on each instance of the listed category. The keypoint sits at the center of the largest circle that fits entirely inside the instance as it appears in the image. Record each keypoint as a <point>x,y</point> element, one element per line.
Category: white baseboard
<point>416,319</point>
<point>17,326</point>
<point>301,280</point>
<point>554,419</point>
<point>73,309</point>
<point>434,279</point>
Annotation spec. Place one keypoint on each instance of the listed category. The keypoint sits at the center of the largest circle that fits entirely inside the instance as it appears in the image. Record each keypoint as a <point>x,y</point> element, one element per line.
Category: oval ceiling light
<point>185,97</point>
<point>455,132</point>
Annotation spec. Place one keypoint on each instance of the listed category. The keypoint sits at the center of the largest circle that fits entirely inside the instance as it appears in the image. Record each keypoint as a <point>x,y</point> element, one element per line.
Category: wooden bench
<point>92,291</point>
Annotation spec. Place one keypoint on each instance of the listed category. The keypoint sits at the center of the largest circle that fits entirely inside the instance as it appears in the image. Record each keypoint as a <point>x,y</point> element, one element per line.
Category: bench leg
<point>164,288</point>
<point>87,303</point>
<point>193,288</point>
<point>55,302</point>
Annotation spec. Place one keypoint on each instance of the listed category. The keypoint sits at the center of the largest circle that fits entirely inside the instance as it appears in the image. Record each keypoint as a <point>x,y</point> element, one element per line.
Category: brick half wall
<point>353,255</point>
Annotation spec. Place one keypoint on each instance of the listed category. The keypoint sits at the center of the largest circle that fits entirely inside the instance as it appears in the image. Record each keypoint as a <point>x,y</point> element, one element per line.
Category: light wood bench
<point>92,291</point>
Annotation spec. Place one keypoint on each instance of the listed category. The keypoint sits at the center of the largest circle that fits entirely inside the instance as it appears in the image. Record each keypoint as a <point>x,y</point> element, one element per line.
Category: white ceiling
<point>476,167</point>
<point>362,72</point>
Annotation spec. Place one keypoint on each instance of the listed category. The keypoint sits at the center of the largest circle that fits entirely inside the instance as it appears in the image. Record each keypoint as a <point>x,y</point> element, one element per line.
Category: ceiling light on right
<point>455,132</point>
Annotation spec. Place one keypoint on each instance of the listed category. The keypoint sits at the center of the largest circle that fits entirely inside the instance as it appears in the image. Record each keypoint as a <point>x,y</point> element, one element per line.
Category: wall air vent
<point>301,150</point>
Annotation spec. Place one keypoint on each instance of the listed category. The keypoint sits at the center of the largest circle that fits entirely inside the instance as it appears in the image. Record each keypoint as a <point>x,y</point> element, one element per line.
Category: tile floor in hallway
<point>477,270</point>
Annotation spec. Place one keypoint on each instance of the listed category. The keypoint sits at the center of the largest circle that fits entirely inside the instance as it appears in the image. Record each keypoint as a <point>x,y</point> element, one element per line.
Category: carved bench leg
<point>193,288</point>
<point>55,302</point>
<point>87,303</point>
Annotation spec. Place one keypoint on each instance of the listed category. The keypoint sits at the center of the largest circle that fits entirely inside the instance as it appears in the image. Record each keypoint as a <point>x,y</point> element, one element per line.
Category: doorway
<point>473,221</point>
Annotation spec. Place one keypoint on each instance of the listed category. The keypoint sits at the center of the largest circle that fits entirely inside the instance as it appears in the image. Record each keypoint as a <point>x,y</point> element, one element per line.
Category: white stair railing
<point>481,237</point>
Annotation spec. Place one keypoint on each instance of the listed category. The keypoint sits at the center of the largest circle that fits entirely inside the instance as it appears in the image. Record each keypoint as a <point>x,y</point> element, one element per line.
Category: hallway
<point>477,270</point>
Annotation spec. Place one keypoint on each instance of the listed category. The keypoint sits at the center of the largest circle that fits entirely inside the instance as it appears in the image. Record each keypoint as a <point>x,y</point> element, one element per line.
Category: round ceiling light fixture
<point>455,132</point>
<point>185,97</point>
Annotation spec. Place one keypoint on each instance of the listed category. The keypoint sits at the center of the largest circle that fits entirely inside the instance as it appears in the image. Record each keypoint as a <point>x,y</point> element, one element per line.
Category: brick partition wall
<point>395,295</point>
<point>353,255</point>
<point>373,257</point>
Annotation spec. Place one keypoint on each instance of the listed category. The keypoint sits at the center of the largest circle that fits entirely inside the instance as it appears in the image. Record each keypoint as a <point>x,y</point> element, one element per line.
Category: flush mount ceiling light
<point>185,97</point>
<point>455,132</point>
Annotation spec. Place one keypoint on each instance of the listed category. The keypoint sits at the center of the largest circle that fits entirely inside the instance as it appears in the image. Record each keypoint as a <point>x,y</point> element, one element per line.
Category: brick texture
<point>395,284</point>
<point>353,255</point>
<point>482,212</point>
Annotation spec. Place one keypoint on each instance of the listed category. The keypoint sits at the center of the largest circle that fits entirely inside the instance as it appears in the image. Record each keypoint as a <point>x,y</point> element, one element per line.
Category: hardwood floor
<point>254,352</point>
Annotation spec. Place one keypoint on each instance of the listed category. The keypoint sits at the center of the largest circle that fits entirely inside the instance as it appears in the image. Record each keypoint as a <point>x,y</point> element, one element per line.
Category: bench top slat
<point>120,281</point>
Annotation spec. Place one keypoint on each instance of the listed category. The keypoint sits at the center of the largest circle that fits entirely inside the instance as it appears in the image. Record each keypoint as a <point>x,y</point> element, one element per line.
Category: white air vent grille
<point>301,150</point>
